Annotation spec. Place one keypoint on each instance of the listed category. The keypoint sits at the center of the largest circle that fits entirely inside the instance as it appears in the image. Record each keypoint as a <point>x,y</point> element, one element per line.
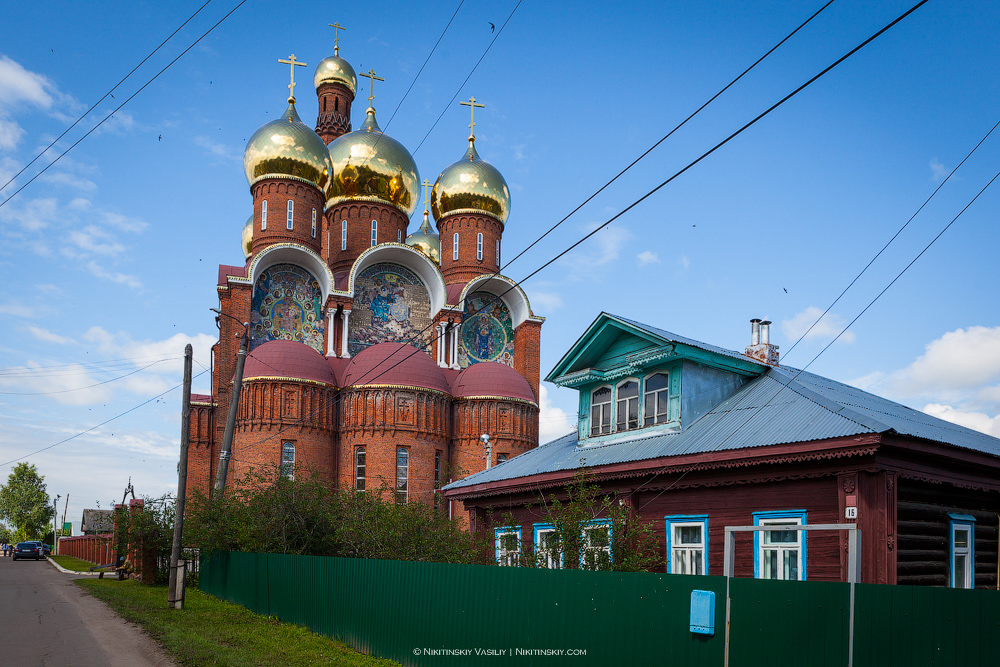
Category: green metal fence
<point>432,613</point>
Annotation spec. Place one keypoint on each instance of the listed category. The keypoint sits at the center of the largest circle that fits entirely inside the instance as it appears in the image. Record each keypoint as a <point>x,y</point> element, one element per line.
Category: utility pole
<point>55,518</point>
<point>227,437</point>
<point>65,509</point>
<point>485,437</point>
<point>175,587</point>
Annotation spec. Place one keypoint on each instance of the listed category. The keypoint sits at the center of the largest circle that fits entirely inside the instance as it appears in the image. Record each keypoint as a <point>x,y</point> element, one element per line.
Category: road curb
<point>65,571</point>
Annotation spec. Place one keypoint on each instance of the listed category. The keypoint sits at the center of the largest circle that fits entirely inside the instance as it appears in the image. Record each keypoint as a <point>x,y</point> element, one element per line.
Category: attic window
<point>600,411</point>
<point>628,406</point>
<point>655,399</point>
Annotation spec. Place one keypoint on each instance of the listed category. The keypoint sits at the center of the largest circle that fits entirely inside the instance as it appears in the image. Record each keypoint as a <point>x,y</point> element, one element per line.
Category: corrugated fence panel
<point>416,613</point>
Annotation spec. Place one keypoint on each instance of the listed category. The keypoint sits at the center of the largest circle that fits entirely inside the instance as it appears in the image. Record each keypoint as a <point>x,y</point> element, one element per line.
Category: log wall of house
<point>922,557</point>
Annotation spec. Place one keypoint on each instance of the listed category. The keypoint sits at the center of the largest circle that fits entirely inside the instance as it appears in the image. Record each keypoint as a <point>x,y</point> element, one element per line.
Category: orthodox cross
<point>426,185</point>
<point>336,40</point>
<point>370,74</point>
<point>472,115</point>
<point>292,63</point>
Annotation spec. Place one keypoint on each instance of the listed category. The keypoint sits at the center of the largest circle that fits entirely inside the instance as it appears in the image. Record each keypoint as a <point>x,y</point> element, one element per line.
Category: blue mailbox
<point>703,612</point>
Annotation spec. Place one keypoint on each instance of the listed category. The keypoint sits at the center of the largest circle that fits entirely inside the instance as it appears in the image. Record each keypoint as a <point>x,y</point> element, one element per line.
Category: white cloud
<point>979,421</point>
<point>600,249</point>
<point>10,134</point>
<point>71,384</point>
<point>31,216</point>
<point>544,301</point>
<point>48,336</point>
<point>684,262</point>
<point>648,257</point>
<point>69,180</point>
<point>824,329</point>
<point>18,85</point>
<point>121,278</point>
<point>553,422</point>
<point>96,240</point>
<point>960,359</point>
<point>121,346</point>
<point>938,171</point>
<point>18,310</point>
<point>219,150</point>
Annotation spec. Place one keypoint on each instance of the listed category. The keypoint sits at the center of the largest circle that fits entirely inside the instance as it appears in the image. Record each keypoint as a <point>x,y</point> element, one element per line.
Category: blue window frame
<point>961,551</point>
<point>507,545</point>
<point>291,211</point>
<point>687,543</point>
<point>595,545</point>
<point>547,552</point>
<point>374,233</point>
<point>780,554</point>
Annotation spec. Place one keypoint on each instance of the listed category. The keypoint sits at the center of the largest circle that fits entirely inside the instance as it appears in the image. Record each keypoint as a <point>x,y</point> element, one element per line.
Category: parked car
<point>46,549</point>
<point>40,546</point>
<point>28,550</point>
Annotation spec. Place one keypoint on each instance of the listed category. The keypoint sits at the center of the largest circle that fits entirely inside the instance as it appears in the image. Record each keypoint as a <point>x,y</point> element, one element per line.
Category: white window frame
<point>586,548</point>
<point>343,234</point>
<point>655,394</point>
<point>454,251</point>
<point>498,252</point>
<point>636,398</point>
<point>545,557</point>
<point>479,247</point>
<point>505,556</point>
<point>403,497</point>
<point>374,233</point>
<point>314,224</point>
<point>360,467</point>
<point>608,406</point>
<point>288,464</point>
<point>675,564</point>
<point>965,522</point>
<point>399,236</point>
<point>779,518</point>
<point>263,215</point>
<point>289,221</point>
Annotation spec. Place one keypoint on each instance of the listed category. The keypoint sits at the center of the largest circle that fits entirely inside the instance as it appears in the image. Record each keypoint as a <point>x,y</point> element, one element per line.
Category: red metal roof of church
<point>489,378</point>
<point>395,364</point>
<point>288,359</point>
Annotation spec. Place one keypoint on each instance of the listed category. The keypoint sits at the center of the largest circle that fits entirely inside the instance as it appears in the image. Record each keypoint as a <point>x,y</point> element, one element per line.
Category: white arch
<point>515,299</point>
<point>411,258</point>
<point>292,253</point>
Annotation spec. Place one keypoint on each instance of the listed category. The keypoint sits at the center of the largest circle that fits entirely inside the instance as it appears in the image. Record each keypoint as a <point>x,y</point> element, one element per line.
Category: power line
<point>129,99</point>
<point>94,106</point>
<point>65,391</point>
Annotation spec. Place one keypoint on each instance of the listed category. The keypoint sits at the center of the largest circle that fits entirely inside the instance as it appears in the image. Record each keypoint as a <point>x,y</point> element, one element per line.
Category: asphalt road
<point>46,619</point>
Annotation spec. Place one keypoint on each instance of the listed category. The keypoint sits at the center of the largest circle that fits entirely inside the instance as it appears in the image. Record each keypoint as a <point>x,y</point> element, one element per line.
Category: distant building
<point>378,357</point>
<point>694,438</point>
<point>97,522</point>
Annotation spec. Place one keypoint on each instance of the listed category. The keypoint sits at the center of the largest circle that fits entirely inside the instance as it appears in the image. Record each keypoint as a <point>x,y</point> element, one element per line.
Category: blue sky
<point>110,258</point>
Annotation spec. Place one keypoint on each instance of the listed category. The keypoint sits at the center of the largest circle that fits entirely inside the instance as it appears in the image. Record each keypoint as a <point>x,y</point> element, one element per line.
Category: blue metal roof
<point>781,406</point>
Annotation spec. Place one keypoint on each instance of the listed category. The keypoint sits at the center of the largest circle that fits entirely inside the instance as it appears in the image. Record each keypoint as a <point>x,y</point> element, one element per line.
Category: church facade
<point>376,357</point>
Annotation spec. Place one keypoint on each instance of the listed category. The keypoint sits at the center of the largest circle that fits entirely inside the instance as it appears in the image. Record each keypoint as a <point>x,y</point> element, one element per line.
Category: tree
<point>24,503</point>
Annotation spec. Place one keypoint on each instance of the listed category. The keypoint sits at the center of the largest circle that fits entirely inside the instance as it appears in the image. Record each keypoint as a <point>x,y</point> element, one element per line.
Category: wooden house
<point>693,438</point>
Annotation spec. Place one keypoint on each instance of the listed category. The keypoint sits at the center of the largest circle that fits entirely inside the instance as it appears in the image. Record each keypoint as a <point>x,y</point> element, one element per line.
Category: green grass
<point>73,563</point>
<point>209,631</point>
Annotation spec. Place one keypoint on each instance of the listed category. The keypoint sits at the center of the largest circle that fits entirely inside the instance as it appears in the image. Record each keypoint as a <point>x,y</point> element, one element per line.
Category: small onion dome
<point>471,185</point>
<point>489,379</point>
<point>288,359</point>
<point>369,165</point>
<point>396,364</point>
<point>336,70</point>
<point>287,147</point>
<point>426,241</point>
<point>247,237</point>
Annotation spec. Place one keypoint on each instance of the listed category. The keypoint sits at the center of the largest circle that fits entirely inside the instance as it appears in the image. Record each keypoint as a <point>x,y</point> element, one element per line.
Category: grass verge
<point>209,631</point>
<point>73,563</point>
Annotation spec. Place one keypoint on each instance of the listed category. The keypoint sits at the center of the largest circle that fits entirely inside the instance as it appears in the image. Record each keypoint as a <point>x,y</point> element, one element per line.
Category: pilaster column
<point>440,327</point>
<point>343,339</point>
<point>454,348</point>
<point>331,333</point>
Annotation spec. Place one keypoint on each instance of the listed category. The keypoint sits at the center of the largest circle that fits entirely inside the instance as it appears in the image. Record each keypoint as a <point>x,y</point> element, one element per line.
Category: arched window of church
<point>479,247</point>
<point>454,251</point>
<point>288,218</point>
<point>343,234</point>
<point>314,224</point>
<point>336,104</point>
<point>600,411</point>
<point>498,252</point>
<point>402,474</point>
<point>263,215</point>
<point>628,406</point>
<point>288,460</point>
<point>399,236</point>
<point>374,232</point>
<point>324,104</point>
<point>359,468</point>
<point>655,399</point>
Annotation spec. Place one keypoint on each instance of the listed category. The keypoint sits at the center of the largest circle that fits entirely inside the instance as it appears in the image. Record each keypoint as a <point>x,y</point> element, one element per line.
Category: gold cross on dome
<point>371,75</point>
<point>472,115</point>
<point>292,63</point>
<point>426,185</point>
<point>336,40</point>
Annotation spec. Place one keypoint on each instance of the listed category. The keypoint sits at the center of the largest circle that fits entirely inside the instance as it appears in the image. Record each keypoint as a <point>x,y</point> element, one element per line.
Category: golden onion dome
<point>287,147</point>
<point>247,237</point>
<point>471,185</point>
<point>336,70</point>
<point>369,165</point>
<point>425,240</point>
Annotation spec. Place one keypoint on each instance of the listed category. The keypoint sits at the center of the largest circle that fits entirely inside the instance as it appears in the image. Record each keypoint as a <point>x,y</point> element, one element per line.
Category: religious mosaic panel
<point>487,331</point>
<point>287,305</point>
<point>390,305</point>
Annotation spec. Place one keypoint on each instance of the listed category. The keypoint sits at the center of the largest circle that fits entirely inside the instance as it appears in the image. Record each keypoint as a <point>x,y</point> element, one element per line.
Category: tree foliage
<point>147,535</point>
<point>267,512</point>
<point>24,503</point>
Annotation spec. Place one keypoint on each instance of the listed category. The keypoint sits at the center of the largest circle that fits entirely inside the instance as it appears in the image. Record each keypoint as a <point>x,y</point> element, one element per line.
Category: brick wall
<point>278,192</point>
<point>468,226</point>
<point>391,226</point>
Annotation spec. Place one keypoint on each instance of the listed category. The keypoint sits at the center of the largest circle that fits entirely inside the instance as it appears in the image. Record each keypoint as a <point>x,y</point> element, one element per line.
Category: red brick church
<point>377,356</point>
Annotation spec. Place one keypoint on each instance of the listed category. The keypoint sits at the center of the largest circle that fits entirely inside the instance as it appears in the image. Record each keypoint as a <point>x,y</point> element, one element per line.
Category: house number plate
<point>851,513</point>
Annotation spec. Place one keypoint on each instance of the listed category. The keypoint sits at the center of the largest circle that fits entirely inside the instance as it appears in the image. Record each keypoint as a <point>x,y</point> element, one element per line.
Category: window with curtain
<point>628,406</point>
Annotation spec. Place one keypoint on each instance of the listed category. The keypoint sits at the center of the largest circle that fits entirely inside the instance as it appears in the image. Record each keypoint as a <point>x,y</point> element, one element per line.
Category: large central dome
<point>369,165</point>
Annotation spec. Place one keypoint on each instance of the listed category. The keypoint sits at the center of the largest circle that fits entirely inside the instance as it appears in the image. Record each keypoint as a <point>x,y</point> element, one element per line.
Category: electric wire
<point>113,89</point>
<point>127,100</point>
<point>66,391</point>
